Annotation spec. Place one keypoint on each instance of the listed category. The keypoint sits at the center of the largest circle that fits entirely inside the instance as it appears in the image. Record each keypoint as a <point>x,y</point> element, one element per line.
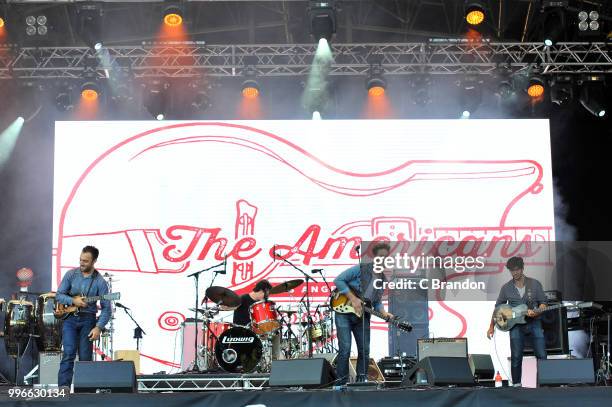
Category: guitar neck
<point>92,299</point>
<point>374,312</point>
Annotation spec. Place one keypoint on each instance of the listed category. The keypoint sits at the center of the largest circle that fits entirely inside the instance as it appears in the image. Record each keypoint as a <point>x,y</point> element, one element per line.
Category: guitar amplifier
<point>442,347</point>
<point>374,373</point>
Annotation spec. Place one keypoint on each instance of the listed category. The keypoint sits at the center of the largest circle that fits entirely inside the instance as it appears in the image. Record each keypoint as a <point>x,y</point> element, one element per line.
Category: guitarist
<point>80,330</point>
<point>361,279</point>
<point>522,290</point>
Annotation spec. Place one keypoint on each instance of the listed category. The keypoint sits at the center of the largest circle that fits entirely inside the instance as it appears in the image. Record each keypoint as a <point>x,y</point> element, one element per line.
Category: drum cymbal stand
<point>307,296</point>
<point>196,276</point>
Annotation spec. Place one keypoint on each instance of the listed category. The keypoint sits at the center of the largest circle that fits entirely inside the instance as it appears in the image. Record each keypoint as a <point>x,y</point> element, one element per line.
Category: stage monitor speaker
<point>374,373</point>
<point>440,371</point>
<point>451,347</point>
<point>315,372</point>
<point>557,372</point>
<point>482,366</point>
<point>129,355</point>
<point>104,377</point>
<point>554,323</point>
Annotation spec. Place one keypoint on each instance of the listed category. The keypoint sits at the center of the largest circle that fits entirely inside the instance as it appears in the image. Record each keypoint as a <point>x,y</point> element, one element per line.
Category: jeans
<point>517,344</point>
<point>345,324</point>
<point>74,338</point>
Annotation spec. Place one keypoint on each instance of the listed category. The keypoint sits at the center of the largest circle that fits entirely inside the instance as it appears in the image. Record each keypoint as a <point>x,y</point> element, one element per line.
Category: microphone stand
<point>196,275</point>
<point>138,331</point>
<point>329,298</point>
<point>309,319</point>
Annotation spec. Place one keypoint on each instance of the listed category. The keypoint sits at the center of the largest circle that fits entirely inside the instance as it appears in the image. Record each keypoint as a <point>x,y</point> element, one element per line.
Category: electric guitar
<point>64,311</point>
<point>506,317</point>
<point>342,304</point>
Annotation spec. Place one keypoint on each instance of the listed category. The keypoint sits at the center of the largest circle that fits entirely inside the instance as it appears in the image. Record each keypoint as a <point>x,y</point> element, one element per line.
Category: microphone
<point>314,271</point>
<point>121,305</point>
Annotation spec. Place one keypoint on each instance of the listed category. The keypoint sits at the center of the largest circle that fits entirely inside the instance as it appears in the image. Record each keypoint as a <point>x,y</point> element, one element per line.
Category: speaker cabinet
<point>440,371</point>
<point>374,373</point>
<point>315,372</point>
<point>104,377</point>
<point>554,324</point>
<point>482,366</point>
<point>557,372</point>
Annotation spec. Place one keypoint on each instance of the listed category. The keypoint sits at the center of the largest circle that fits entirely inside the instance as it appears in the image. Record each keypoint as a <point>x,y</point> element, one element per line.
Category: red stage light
<point>376,91</point>
<point>535,90</point>
<point>89,95</point>
<point>173,20</point>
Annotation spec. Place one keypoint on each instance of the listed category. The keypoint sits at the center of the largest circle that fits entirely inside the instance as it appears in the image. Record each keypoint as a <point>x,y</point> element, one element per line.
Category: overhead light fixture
<point>64,97</point>
<point>474,12</point>
<point>250,89</point>
<point>592,96</point>
<point>420,86</point>
<point>376,84</point>
<point>535,88</point>
<point>90,91</point>
<point>200,91</point>
<point>157,99</point>
<point>36,25</point>
<point>173,16</point>
<point>589,23</point>
<point>2,22</point>
<point>470,96</point>
<point>322,16</point>
<point>561,90</point>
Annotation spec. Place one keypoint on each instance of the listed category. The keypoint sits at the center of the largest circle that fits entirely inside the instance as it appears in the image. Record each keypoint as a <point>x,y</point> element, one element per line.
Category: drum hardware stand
<point>307,295</point>
<point>196,276</point>
<point>604,373</point>
<point>138,331</point>
<point>111,328</point>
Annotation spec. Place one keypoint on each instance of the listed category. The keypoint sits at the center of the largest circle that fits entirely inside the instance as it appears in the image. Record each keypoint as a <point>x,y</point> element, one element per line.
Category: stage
<point>557,397</point>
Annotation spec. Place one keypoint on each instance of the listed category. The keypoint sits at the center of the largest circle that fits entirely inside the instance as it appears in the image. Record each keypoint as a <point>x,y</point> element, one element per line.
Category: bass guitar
<point>506,317</point>
<point>342,304</point>
<point>64,311</point>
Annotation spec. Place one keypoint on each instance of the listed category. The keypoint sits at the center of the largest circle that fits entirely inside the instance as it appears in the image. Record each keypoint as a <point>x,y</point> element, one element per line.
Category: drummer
<point>260,292</point>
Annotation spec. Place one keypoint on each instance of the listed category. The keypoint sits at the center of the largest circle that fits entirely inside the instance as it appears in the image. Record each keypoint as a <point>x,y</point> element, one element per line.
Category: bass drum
<point>238,350</point>
<point>49,327</point>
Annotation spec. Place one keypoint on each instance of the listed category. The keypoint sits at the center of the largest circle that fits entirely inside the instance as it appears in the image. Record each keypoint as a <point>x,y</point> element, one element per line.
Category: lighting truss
<point>195,59</point>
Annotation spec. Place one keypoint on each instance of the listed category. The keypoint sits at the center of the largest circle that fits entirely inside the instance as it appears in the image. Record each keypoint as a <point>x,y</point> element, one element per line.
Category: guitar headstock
<point>401,325</point>
<point>113,296</point>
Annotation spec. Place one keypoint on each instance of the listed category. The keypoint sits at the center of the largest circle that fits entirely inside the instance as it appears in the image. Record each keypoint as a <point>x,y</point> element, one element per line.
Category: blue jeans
<point>74,338</point>
<point>517,344</point>
<point>345,324</point>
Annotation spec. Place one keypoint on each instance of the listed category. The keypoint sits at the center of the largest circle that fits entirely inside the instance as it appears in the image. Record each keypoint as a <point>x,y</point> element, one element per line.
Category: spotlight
<point>250,89</point>
<point>322,16</point>
<point>90,91</point>
<point>471,95</point>
<point>63,99</point>
<point>1,22</point>
<point>466,114</point>
<point>157,99</point>
<point>561,90</point>
<point>535,89</point>
<point>376,84</point>
<point>316,115</point>
<point>588,23</point>
<point>173,16</point>
<point>420,90</point>
<point>474,13</point>
<point>36,25</point>
<point>592,96</point>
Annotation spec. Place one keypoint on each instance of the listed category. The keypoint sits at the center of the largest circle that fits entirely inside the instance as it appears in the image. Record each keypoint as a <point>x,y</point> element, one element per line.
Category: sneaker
<point>517,385</point>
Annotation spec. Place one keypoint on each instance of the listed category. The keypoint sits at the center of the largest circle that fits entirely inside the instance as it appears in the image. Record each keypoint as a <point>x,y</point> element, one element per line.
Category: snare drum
<point>17,326</point>
<point>264,319</point>
<point>49,327</point>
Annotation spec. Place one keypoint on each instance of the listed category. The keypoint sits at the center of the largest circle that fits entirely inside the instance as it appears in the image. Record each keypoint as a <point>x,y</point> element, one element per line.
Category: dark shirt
<point>241,314</point>
<point>533,297</point>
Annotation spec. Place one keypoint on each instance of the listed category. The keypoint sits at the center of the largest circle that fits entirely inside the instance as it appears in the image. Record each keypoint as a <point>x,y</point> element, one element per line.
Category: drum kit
<point>273,332</point>
<point>25,319</point>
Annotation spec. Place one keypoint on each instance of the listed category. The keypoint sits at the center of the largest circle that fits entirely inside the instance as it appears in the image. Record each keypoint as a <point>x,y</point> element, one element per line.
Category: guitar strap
<point>93,277</point>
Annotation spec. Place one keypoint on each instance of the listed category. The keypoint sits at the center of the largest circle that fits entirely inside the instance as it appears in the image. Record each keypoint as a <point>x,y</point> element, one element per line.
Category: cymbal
<point>286,286</point>
<point>222,295</point>
<point>211,312</point>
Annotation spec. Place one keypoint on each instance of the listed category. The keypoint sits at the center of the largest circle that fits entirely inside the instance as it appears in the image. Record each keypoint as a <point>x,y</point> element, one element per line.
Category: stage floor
<point>455,397</point>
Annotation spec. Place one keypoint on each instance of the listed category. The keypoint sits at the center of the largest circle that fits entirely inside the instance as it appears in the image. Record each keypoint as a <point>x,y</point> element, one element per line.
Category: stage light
<point>592,96</point>
<point>420,86</point>
<point>98,46</point>
<point>90,91</point>
<point>1,22</point>
<point>36,25</point>
<point>63,99</point>
<point>376,84</point>
<point>466,114</point>
<point>322,16</point>
<point>548,42</point>
<point>316,115</point>
<point>470,96</point>
<point>250,89</point>
<point>474,13</point>
<point>561,90</point>
<point>536,87</point>
<point>588,23</point>
<point>157,99</point>
<point>173,16</point>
